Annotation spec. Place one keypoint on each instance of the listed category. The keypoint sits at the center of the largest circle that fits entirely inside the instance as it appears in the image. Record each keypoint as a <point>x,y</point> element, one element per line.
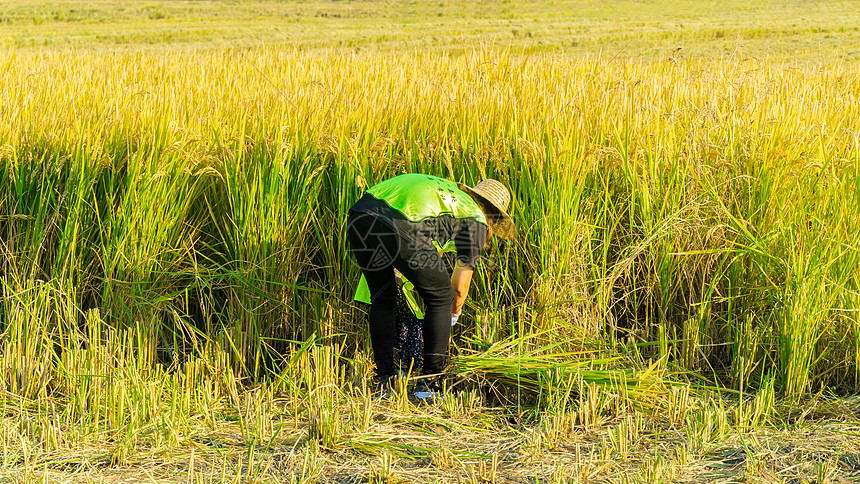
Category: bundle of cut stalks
<point>514,366</point>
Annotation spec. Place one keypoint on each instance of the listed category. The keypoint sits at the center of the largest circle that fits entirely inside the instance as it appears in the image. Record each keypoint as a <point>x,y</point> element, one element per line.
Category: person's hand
<point>454,318</point>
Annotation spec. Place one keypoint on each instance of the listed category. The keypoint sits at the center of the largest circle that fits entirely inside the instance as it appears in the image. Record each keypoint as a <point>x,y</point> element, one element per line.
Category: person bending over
<point>393,226</point>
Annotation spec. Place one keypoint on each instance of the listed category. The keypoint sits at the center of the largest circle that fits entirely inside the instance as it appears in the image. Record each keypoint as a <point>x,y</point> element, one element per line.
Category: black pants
<point>379,249</point>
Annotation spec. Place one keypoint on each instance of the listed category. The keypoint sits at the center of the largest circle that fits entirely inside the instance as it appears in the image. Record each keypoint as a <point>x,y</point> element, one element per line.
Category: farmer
<point>393,226</point>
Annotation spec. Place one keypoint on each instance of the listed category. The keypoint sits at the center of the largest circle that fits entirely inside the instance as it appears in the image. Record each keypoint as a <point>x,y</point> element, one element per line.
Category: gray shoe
<point>428,390</point>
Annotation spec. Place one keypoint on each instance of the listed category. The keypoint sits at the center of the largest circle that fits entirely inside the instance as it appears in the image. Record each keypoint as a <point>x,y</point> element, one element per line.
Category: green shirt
<point>419,197</point>
<point>423,210</point>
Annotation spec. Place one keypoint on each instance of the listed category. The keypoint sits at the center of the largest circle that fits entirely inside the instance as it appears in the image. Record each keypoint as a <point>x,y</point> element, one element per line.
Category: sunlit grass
<point>793,31</point>
<point>686,198</point>
<point>175,279</point>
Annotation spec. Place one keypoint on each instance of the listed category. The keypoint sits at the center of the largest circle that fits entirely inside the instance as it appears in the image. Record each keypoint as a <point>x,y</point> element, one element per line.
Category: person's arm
<point>469,242</point>
<point>460,280</point>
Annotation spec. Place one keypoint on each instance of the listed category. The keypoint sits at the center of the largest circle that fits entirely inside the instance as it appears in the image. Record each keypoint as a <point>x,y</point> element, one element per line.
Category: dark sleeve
<point>469,241</point>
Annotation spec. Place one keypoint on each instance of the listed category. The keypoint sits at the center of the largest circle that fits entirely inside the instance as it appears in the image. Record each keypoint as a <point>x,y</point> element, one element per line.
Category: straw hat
<point>494,198</point>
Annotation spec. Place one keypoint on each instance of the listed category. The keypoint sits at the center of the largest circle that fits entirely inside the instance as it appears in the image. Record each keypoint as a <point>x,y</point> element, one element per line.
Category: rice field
<point>680,304</point>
